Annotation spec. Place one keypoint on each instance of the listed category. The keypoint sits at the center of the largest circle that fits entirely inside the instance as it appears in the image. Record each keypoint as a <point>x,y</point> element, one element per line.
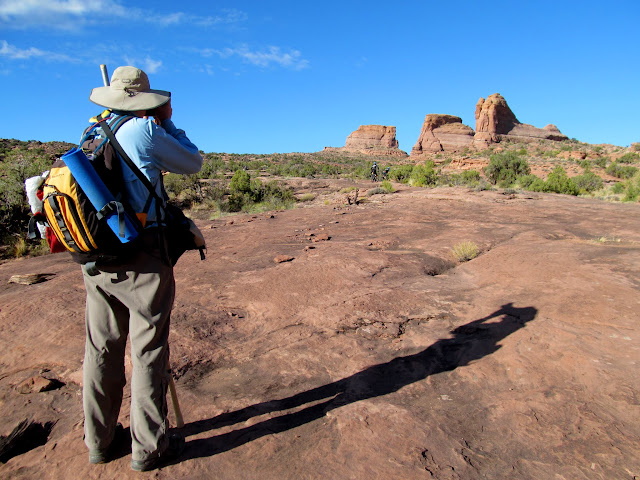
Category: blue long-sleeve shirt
<point>154,149</point>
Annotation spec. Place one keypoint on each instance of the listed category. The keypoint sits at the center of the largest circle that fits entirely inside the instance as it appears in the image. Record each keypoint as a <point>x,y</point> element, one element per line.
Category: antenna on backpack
<point>105,75</point>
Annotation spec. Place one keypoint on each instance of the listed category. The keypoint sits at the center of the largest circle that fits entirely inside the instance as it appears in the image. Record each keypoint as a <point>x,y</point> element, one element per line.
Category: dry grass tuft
<point>465,251</point>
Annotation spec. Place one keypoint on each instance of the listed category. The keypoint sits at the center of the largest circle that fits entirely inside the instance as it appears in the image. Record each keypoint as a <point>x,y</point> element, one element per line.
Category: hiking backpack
<point>83,199</point>
<point>85,205</point>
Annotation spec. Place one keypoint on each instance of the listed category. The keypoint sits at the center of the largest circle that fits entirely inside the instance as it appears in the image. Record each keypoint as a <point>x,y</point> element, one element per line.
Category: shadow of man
<point>470,342</point>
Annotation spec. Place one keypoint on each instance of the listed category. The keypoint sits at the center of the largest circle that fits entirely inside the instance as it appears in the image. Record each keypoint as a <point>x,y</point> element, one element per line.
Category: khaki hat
<point>129,91</point>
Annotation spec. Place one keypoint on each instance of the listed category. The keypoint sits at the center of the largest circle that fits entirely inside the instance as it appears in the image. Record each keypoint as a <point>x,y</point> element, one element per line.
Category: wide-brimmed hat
<point>129,91</point>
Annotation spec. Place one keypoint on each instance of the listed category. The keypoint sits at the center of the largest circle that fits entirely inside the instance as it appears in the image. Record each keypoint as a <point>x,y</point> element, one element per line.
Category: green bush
<point>504,168</point>
<point>617,188</point>
<point>401,173</point>
<point>621,171</point>
<point>525,181</point>
<point>631,192</point>
<point>601,162</point>
<point>630,157</point>
<point>16,166</point>
<point>559,182</point>
<point>423,175</point>
<point>387,187</point>
<point>588,182</point>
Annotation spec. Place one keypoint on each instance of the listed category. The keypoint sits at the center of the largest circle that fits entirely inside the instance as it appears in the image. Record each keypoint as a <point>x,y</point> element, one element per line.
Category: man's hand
<point>161,113</point>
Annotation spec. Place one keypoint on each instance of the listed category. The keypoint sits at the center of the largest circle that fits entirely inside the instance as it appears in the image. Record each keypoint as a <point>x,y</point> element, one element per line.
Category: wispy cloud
<point>148,64</point>
<point>266,57</point>
<point>14,53</point>
<point>74,14</point>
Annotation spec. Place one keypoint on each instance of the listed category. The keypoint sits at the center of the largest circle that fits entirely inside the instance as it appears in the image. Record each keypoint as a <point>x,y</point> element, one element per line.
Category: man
<point>134,297</point>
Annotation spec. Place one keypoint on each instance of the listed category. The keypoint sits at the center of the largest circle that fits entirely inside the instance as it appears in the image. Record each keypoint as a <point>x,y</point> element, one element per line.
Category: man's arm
<point>172,149</point>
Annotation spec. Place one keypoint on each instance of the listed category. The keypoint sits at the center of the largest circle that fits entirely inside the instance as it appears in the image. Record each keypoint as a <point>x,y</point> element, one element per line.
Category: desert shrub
<point>306,197</point>
<point>482,185</point>
<point>559,182</point>
<point>617,188</point>
<point>630,157</point>
<point>252,195</point>
<point>470,176</point>
<point>375,191</point>
<point>467,177</point>
<point>504,168</point>
<point>631,192</point>
<point>240,182</point>
<point>211,166</point>
<point>465,251</point>
<point>387,187</point>
<point>401,173</point>
<point>423,175</point>
<point>588,182</point>
<point>537,185</point>
<point>601,162</point>
<point>525,181</point>
<point>621,171</point>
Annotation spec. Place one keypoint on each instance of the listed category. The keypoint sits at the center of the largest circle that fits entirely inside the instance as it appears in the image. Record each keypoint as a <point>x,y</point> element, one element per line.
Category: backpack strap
<point>144,180</point>
<point>110,133</point>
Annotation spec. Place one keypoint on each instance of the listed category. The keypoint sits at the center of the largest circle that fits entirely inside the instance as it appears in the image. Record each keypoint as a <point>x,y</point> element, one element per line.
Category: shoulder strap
<point>145,181</point>
<point>134,168</point>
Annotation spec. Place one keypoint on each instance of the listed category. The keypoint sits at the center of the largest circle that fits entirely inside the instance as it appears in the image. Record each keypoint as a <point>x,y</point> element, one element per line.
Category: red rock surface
<point>374,354</point>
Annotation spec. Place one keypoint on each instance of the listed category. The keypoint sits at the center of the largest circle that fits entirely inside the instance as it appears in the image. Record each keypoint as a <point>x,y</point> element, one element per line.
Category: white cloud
<point>73,14</point>
<point>15,53</point>
<point>262,58</point>
<point>148,64</point>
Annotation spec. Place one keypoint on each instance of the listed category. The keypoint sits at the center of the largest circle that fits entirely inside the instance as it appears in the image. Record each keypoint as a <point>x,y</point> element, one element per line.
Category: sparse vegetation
<point>630,157</point>
<point>557,182</point>
<point>218,189</point>
<point>505,168</point>
<point>621,171</point>
<point>306,197</point>
<point>588,182</point>
<point>387,187</point>
<point>465,251</point>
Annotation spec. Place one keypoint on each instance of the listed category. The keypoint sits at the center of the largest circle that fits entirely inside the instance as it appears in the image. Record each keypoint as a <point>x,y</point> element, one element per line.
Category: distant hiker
<point>135,296</point>
<point>374,172</point>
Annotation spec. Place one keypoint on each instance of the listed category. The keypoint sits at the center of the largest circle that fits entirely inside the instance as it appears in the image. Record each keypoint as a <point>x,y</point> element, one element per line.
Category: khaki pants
<point>132,299</point>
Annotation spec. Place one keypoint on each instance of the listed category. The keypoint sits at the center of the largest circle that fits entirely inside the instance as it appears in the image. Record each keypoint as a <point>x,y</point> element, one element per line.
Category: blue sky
<point>285,76</point>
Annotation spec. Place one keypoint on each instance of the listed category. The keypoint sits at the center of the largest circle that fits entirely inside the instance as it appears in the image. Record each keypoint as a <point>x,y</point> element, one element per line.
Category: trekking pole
<point>176,404</point>
<point>172,384</point>
<point>105,75</point>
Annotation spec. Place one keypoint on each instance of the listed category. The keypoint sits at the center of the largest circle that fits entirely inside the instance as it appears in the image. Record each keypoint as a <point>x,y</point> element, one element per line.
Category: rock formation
<point>375,140</point>
<point>496,122</point>
<point>443,133</point>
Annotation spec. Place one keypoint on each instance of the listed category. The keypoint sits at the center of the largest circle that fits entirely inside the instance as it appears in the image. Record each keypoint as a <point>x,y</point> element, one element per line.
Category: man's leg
<point>154,292</point>
<point>107,324</point>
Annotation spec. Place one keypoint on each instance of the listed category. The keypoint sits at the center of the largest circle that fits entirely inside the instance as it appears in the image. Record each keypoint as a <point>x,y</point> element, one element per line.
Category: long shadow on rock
<point>470,342</point>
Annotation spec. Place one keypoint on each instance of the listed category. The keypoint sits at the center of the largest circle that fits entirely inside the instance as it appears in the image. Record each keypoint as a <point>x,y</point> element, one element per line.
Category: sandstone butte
<point>495,122</point>
<point>373,139</point>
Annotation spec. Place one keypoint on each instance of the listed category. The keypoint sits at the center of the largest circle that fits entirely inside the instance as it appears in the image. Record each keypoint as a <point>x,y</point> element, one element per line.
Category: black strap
<point>109,209</point>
